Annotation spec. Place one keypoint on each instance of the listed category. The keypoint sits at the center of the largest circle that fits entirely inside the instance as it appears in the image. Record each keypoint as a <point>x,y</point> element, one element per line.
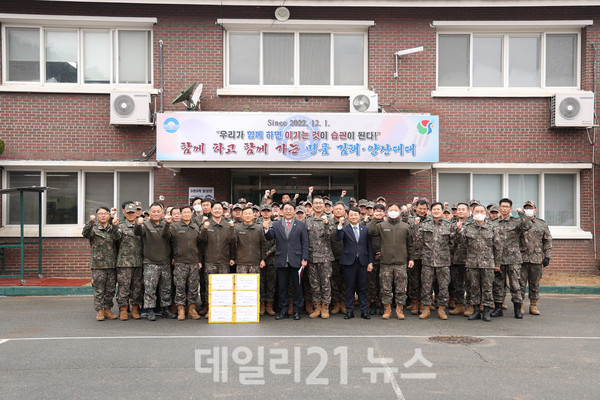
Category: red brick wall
<point>49,126</point>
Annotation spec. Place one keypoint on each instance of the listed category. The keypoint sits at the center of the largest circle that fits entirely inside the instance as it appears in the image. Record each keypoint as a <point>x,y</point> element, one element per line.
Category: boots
<point>270,310</point>
<point>452,302</point>
<point>262,308</point>
<point>476,313</point>
<point>100,315</point>
<point>522,309</point>
<point>387,311</point>
<point>415,307</point>
<point>343,307</point>
<point>469,311</point>
<point>108,314</point>
<point>135,314</point>
<point>180,313</point>
<point>123,313</point>
<point>399,312</point>
<point>504,306</point>
<point>379,308</point>
<point>192,312</point>
<point>168,314</point>
<point>518,313</point>
<point>459,309</point>
<point>291,309</point>
<point>317,311</point>
<point>308,306</point>
<point>487,314</point>
<point>325,310</point>
<point>533,307</point>
<point>336,307</point>
<point>442,312</point>
<point>373,308</point>
<point>204,310</point>
<point>497,310</point>
<point>151,315</point>
<point>425,312</point>
<point>174,308</point>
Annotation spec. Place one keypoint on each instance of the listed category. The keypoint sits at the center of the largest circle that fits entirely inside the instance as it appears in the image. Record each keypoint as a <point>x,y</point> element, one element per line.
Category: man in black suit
<point>357,259</point>
<point>291,254</point>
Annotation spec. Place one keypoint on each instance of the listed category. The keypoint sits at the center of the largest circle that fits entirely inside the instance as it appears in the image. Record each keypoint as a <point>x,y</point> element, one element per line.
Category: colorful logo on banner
<point>425,127</point>
<point>171,125</point>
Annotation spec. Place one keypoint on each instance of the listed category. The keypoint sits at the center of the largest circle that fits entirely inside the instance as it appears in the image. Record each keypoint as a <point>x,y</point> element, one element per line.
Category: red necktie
<point>288,225</point>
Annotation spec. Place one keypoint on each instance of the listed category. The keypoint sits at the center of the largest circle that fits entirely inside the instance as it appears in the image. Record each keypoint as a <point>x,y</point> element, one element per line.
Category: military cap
<point>256,207</point>
<point>307,203</point>
<point>362,203</point>
<point>370,204</point>
<point>455,206</point>
<point>237,205</point>
<point>301,209</point>
<point>381,198</point>
<point>494,208</point>
<point>352,200</point>
<point>328,202</point>
<point>130,208</point>
<point>530,203</point>
<point>225,204</point>
<point>242,200</point>
<point>138,205</point>
<point>274,204</point>
<point>448,210</point>
<point>265,207</point>
<point>474,201</point>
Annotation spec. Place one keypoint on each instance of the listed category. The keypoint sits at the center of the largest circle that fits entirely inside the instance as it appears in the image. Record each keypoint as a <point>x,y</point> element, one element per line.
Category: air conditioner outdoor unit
<point>364,102</point>
<point>574,110</point>
<point>130,108</point>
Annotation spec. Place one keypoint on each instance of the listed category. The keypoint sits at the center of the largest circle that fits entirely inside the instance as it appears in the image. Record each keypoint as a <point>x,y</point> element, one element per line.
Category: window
<point>49,55</point>
<point>556,194</point>
<point>303,58</point>
<point>75,195</point>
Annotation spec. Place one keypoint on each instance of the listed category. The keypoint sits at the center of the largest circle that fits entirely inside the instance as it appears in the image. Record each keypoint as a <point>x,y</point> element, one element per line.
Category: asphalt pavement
<point>53,348</point>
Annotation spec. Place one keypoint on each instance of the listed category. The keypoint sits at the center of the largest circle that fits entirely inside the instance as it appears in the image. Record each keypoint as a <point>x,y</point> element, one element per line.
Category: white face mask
<point>197,208</point>
<point>479,217</point>
<point>530,212</point>
<point>393,214</point>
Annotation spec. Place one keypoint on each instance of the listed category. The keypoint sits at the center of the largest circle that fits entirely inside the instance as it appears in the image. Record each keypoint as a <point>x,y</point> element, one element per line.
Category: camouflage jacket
<point>437,242</point>
<point>484,247</point>
<point>459,253</point>
<point>510,230</point>
<point>102,242</point>
<point>269,246</point>
<point>414,227</point>
<point>130,246</point>
<point>376,239</point>
<point>536,243</point>
<point>319,240</point>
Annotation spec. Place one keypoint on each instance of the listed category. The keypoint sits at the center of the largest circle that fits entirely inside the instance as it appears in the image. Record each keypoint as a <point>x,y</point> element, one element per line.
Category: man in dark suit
<point>291,254</point>
<point>356,260</point>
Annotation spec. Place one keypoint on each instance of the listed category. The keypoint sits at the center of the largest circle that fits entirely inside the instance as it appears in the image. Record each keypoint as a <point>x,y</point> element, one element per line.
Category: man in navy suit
<point>357,259</point>
<point>291,254</point>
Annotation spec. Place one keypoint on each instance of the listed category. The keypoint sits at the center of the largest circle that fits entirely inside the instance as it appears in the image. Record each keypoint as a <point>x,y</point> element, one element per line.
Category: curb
<point>89,290</point>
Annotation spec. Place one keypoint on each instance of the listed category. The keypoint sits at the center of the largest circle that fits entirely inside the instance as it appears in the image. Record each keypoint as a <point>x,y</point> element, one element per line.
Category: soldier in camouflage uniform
<point>414,274</point>
<point>129,264</point>
<point>338,286</point>
<point>373,284</point>
<point>536,245</point>
<point>457,269</point>
<point>249,244</point>
<point>320,257</point>
<point>219,242</point>
<point>268,274</point>
<point>102,261</point>
<point>437,236</point>
<point>484,249</point>
<point>510,229</point>
<point>396,253</point>
<point>184,237</point>
<point>157,260</point>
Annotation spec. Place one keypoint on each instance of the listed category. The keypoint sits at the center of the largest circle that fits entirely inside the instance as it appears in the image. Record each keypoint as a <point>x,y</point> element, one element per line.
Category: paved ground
<point>51,347</point>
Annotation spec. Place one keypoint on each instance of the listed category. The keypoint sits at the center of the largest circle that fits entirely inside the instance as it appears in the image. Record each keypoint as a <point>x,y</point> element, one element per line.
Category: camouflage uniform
<point>185,244</point>
<point>414,273</point>
<point>102,262</point>
<point>458,272</point>
<point>484,249</point>
<point>438,240</point>
<point>397,247</point>
<point>536,244</point>
<point>249,245</point>
<point>373,285</point>
<point>320,258</point>
<point>510,230</point>
<point>338,285</point>
<point>129,265</point>
<point>268,275</point>
<point>219,242</point>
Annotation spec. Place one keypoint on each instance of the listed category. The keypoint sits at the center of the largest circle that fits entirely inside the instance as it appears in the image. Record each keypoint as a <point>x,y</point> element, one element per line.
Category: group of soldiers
<point>427,256</point>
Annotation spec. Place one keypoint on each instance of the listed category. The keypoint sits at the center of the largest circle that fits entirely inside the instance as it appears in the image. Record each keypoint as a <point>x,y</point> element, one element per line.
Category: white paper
<point>220,314</point>
<point>246,298</point>
<point>246,281</point>
<point>221,281</point>
<point>221,298</point>
<point>246,314</point>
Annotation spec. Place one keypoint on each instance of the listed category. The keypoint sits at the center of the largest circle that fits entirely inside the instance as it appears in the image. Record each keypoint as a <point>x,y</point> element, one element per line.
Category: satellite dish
<point>361,103</point>
<point>282,14</point>
<point>569,107</point>
<point>189,96</point>
<point>124,105</point>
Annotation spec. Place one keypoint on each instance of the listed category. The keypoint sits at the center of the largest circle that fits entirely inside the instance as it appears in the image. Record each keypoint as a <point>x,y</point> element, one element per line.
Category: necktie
<point>356,233</point>
<point>288,226</point>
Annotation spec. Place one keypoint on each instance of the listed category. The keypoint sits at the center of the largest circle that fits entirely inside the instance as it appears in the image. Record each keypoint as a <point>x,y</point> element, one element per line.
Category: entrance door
<point>251,185</point>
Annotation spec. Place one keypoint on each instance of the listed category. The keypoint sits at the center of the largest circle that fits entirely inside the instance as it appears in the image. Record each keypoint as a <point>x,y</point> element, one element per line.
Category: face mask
<point>197,208</point>
<point>529,212</point>
<point>393,214</point>
<point>479,217</point>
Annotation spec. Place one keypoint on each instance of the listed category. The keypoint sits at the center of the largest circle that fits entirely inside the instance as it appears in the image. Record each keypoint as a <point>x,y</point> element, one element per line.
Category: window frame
<point>67,230</point>
<point>296,27</point>
<point>79,24</point>
<point>506,29</point>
